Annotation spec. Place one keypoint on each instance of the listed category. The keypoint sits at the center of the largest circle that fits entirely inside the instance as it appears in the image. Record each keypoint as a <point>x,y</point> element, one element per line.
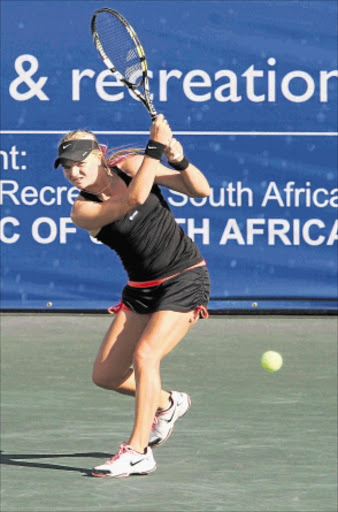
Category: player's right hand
<point>160,130</point>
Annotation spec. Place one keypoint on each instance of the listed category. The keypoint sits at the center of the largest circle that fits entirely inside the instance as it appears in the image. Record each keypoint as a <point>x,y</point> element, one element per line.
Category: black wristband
<point>180,166</point>
<point>154,149</point>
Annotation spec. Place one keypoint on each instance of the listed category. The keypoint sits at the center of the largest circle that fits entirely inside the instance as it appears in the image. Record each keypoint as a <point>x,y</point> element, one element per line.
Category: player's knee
<point>144,358</point>
<point>105,381</point>
<point>99,380</point>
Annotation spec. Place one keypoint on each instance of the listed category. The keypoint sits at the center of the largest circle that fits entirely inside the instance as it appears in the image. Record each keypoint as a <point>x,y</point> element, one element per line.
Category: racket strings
<point>119,47</point>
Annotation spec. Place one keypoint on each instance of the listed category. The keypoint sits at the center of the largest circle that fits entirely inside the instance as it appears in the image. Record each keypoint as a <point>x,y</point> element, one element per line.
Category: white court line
<point>205,133</point>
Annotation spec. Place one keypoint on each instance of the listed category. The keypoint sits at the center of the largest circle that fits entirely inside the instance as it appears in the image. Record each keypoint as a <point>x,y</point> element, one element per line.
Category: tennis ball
<point>49,304</point>
<point>272,361</point>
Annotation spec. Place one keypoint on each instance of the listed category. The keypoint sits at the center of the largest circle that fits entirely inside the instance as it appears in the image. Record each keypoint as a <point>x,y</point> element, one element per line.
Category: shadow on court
<point>252,441</point>
<point>25,460</point>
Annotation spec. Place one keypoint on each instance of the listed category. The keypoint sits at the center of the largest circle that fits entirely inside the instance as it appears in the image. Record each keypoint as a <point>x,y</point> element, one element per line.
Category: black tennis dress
<point>157,256</point>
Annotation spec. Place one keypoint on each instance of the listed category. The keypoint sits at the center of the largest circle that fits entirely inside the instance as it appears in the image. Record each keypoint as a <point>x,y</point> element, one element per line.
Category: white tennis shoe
<point>126,462</point>
<point>164,421</point>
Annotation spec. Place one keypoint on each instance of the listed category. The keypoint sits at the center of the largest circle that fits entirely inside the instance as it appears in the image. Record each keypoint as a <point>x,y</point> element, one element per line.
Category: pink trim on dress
<point>113,310</point>
<point>149,284</point>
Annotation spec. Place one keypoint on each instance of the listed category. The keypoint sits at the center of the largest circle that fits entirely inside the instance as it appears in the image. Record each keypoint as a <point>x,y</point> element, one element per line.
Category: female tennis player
<point>121,205</point>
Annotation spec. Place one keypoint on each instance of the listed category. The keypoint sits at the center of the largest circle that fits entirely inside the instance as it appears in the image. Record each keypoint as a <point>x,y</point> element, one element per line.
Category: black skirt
<point>186,291</point>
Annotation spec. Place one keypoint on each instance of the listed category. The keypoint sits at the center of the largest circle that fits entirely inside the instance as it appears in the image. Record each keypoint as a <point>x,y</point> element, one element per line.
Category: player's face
<point>82,174</point>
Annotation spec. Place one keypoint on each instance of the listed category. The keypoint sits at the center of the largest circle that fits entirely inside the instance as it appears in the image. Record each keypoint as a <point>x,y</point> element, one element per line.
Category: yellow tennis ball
<point>272,361</point>
<point>49,304</point>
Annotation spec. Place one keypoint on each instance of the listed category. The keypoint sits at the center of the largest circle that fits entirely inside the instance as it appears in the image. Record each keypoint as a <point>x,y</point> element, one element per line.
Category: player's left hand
<point>174,151</point>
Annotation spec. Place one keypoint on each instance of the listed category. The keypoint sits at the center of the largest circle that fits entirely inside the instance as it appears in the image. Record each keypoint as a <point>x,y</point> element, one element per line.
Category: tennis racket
<point>121,51</point>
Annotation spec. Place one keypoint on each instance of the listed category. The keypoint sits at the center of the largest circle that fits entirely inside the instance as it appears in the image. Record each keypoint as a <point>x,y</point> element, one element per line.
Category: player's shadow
<point>15,459</point>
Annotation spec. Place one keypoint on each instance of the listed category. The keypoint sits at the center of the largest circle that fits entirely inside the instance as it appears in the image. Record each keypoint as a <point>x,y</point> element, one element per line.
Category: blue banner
<point>249,88</point>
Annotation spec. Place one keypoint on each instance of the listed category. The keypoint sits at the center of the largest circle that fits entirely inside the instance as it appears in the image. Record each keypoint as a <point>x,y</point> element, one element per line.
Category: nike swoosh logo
<point>168,421</point>
<point>133,215</point>
<point>137,462</point>
<point>65,146</point>
<point>178,404</point>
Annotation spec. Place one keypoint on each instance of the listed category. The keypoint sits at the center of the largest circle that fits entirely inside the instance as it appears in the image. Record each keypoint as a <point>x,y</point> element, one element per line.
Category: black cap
<point>76,150</point>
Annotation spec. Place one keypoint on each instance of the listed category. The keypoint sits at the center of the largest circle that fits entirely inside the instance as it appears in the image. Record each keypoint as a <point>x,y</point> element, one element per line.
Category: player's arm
<point>91,215</point>
<point>191,181</point>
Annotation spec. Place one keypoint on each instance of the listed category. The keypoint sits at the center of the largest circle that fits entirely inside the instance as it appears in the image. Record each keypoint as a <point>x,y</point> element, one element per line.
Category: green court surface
<point>252,441</point>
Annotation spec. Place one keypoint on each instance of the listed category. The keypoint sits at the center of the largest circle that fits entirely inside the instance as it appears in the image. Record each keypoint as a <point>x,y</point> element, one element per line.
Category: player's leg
<point>163,332</point>
<point>112,368</point>
<point>112,371</point>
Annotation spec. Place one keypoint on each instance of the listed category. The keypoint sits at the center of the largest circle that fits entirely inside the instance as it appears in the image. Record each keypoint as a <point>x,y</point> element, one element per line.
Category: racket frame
<point>146,99</point>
